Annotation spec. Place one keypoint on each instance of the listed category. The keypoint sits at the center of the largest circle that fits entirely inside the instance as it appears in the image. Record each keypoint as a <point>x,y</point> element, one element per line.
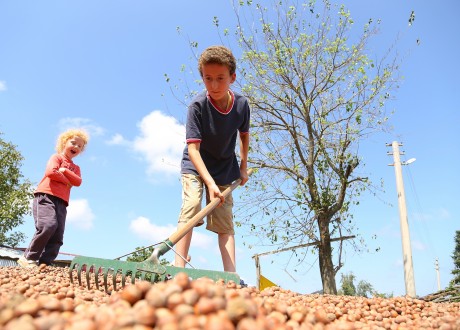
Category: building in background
<point>9,257</point>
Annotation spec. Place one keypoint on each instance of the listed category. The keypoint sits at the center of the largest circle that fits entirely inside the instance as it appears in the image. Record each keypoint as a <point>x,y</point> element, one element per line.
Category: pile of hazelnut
<point>44,298</point>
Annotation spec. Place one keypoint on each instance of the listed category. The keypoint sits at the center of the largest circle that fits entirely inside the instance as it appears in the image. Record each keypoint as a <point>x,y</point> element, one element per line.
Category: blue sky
<point>101,65</point>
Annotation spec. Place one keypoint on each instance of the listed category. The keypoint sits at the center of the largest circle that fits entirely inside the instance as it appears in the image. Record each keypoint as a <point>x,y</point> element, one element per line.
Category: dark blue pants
<point>49,215</point>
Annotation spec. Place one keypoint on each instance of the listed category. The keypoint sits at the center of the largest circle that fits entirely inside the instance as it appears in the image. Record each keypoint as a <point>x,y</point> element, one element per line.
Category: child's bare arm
<point>244,150</point>
<point>195,157</point>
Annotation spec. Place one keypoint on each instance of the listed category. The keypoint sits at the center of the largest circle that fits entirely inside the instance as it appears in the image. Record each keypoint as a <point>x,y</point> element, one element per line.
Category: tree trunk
<point>325,257</point>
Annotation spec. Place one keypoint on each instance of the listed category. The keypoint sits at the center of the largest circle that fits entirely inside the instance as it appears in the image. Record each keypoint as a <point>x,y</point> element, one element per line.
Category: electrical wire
<point>420,218</point>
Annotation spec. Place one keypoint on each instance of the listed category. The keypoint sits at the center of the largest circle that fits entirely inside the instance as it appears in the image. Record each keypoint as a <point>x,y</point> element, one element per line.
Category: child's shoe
<point>25,263</point>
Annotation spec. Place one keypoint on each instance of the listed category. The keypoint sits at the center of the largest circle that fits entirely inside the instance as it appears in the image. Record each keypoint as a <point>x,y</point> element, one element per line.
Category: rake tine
<point>133,278</point>
<point>76,269</point>
<point>96,278</point>
<point>88,273</point>
<point>114,280</point>
<point>101,273</point>
<point>71,273</point>
<point>106,274</point>
<point>123,278</point>
<point>79,274</point>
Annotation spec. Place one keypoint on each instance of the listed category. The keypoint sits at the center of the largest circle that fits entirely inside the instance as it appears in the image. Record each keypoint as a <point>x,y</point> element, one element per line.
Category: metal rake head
<point>110,273</point>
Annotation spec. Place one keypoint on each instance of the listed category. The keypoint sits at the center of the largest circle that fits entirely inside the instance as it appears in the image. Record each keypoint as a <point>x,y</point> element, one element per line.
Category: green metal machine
<point>118,271</point>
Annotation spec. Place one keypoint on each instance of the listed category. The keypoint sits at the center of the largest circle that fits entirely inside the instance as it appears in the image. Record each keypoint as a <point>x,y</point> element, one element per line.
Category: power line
<point>420,218</point>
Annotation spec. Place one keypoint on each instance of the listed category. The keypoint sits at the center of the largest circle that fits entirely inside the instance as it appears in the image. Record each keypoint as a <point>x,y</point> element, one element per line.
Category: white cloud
<point>118,139</point>
<point>80,214</point>
<point>202,241</point>
<point>146,230</point>
<point>2,86</point>
<point>83,123</point>
<point>161,143</point>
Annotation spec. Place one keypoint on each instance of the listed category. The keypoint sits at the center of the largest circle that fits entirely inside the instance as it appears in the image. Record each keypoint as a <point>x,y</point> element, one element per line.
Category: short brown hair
<point>217,55</point>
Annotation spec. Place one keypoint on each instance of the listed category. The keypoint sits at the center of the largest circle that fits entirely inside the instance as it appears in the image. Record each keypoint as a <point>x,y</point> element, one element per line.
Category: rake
<point>115,271</point>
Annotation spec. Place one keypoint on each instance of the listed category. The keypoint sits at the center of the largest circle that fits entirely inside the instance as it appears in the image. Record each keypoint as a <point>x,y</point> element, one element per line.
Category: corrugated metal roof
<point>8,263</point>
<point>9,256</point>
<point>10,252</point>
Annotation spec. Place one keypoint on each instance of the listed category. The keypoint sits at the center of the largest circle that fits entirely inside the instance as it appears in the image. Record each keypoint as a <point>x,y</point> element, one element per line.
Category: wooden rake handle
<point>177,235</point>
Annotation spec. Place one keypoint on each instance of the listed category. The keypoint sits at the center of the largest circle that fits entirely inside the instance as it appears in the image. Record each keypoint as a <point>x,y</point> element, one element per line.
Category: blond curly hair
<point>67,135</point>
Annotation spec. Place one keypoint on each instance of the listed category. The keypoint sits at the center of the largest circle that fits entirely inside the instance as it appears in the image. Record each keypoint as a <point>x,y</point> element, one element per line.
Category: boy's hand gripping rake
<point>118,269</point>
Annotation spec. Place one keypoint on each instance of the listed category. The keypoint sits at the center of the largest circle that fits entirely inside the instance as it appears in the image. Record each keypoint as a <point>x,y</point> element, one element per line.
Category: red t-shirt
<point>57,183</point>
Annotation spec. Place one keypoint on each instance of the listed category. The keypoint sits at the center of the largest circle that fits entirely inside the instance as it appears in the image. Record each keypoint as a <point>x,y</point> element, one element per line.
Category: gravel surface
<point>44,298</point>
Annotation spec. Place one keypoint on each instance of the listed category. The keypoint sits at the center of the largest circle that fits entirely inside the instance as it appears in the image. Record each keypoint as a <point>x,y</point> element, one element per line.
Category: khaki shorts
<point>220,220</point>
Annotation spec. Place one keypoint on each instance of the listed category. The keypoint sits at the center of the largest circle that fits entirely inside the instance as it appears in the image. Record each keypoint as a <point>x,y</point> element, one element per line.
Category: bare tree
<point>315,95</point>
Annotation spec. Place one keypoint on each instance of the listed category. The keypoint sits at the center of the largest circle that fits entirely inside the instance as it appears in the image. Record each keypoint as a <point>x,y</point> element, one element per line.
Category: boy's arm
<point>244,150</point>
<point>197,161</point>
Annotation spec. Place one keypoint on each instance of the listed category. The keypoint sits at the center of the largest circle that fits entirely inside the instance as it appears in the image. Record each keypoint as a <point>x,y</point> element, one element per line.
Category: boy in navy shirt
<point>215,118</point>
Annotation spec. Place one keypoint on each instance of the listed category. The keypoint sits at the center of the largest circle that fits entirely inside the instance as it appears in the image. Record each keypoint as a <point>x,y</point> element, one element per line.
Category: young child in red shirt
<point>51,199</point>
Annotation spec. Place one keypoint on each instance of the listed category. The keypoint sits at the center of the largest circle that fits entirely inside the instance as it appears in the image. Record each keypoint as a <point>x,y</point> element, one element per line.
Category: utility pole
<point>436,266</point>
<point>406,247</point>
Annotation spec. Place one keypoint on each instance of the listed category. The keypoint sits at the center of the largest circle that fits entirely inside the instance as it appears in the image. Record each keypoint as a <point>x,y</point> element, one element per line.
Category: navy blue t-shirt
<point>217,133</point>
